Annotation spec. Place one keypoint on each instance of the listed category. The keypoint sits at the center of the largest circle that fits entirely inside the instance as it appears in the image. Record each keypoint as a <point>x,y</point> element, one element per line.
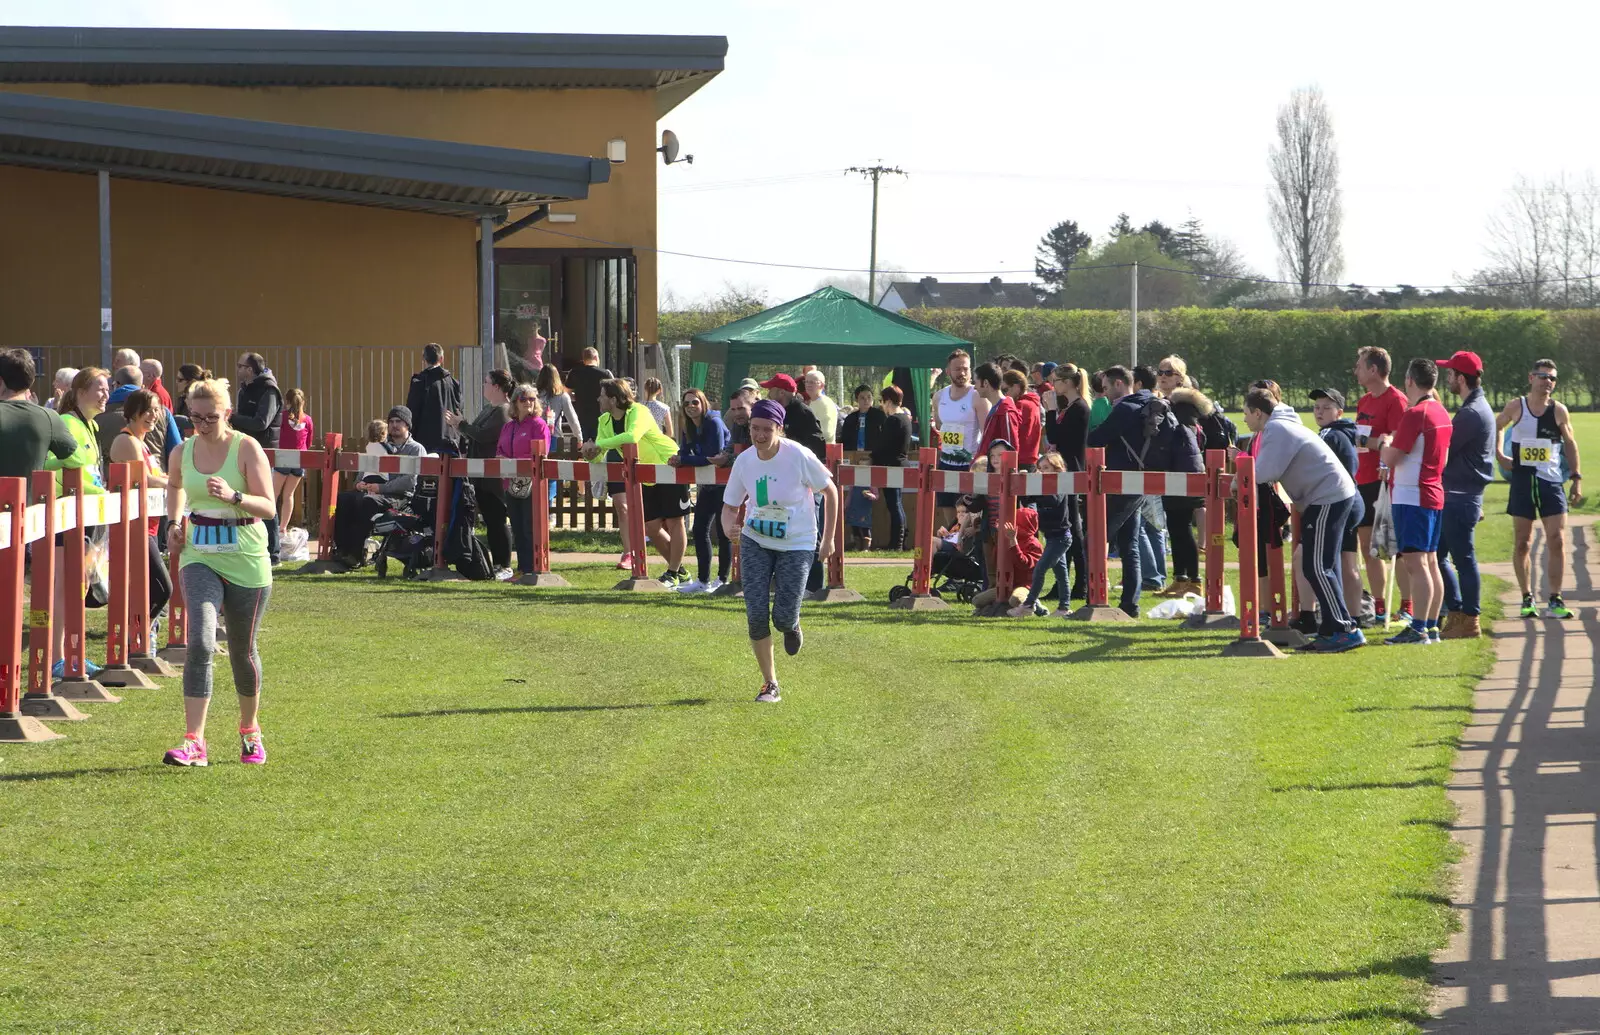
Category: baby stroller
<point>956,570</point>
<point>405,532</point>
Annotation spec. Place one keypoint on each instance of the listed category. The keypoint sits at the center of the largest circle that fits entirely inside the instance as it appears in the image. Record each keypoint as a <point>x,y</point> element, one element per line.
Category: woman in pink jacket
<point>517,438</point>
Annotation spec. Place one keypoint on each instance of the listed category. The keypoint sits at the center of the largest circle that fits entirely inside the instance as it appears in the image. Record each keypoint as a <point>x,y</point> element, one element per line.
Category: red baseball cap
<point>1463,363</point>
<point>783,381</point>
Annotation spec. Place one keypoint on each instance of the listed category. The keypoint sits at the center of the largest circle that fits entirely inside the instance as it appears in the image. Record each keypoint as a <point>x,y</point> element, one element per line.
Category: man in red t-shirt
<point>1030,423</point>
<point>1002,422</point>
<point>1377,416</point>
<point>1416,453</point>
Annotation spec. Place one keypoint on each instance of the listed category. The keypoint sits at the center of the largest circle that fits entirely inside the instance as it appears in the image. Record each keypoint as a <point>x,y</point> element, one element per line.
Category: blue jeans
<point>1122,528</point>
<point>774,584</point>
<point>1054,556</point>
<point>1458,555</point>
<point>1152,553</point>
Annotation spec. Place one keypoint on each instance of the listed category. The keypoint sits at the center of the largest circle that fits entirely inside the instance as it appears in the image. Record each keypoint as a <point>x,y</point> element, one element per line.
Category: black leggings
<point>1180,533</point>
<point>708,525</point>
<point>492,508</point>
<point>160,578</point>
<point>1078,552</point>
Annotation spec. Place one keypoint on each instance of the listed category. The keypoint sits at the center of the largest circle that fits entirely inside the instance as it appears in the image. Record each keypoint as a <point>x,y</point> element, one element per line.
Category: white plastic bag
<point>1385,544</point>
<point>295,545</point>
<point>1190,604</point>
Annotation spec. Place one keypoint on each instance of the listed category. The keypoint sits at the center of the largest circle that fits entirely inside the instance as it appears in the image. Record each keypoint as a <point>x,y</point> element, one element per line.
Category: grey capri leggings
<point>204,594</point>
<point>776,578</point>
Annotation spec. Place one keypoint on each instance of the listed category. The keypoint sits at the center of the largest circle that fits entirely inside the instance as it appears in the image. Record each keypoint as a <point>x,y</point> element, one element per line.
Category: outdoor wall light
<point>617,151</point>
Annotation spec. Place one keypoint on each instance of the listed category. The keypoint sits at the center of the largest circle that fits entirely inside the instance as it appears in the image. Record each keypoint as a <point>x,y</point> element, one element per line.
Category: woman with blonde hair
<point>83,401</point>
<point>218,504</point>
<point>1172,374</point>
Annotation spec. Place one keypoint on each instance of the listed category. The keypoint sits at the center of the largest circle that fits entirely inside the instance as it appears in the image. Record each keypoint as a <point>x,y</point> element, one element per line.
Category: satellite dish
<point>669,149</point>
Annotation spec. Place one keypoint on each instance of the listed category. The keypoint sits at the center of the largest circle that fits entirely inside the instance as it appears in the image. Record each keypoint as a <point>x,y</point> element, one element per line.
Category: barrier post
<point>75,684</point>
<point>540,501</point>
<point>40,702</point>
<point>1279,632</point>
<point>1098,608</point>
<point>15,727</point>
<point>117,672</point>
<point>444,513</point>
<point>835,591</point>
<point>1295,604</point>
<point>1215,532</point>
<point>1004,577</point>
<point>330,499</point>
<point>921,597</point>
<point>141,651</point>
<point>1249,644</point>
<point>733,587</point>
<point>638,580</point>
<point>177,649</point>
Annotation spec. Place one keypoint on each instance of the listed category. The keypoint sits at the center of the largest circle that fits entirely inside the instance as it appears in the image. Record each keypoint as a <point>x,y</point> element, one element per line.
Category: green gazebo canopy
<point>828,327</point>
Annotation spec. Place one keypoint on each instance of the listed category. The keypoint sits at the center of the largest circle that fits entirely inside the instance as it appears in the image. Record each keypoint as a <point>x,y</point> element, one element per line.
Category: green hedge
<point>1229,348</point>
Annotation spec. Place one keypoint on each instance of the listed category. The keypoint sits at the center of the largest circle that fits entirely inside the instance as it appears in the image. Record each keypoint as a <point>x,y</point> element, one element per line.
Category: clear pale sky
<point>1010,117</point>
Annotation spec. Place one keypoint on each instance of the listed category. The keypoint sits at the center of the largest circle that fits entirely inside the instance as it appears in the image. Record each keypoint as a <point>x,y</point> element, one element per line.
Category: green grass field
<point>493,809</point>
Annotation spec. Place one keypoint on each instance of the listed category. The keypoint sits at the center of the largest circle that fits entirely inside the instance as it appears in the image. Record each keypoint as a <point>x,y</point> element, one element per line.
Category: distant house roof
<point>931,293</point>
<point>673,66</point>
<point>296,161</point>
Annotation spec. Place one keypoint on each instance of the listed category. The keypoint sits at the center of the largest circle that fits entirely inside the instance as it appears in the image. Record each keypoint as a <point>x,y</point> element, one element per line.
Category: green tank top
<point>238,553</point>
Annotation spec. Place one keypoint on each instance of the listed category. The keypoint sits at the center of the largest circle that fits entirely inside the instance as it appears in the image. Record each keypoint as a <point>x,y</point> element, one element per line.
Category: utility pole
<point>1133,319</point>
<point>874,173</point>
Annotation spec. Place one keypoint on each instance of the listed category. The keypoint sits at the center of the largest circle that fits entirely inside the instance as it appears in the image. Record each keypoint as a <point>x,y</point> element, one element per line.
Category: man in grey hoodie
<point>1295,457</point>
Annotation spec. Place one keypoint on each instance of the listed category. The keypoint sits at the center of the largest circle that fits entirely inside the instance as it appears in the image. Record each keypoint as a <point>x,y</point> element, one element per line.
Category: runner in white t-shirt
<point>775,481</point>
<point>958,415</point>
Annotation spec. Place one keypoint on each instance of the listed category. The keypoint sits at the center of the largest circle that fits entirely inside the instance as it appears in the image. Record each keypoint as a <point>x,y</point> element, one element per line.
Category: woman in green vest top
<point>224,569</point>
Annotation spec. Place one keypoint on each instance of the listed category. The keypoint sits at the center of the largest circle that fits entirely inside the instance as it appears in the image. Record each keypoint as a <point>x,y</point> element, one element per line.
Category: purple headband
<point>766,409</point>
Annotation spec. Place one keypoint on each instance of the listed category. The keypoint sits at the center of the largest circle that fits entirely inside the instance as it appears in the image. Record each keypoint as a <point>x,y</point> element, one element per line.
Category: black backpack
<point>462,548</point>
<point>1155,451</point>
<point>1217,431</point>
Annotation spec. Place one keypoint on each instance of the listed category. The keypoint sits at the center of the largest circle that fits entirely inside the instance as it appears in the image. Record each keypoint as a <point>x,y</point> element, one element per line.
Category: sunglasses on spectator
<point>1167,372</point>
<point>1544,376</point>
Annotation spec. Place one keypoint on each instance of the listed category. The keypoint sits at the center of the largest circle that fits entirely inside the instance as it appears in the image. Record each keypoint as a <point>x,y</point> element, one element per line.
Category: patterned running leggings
<point>774,579</point>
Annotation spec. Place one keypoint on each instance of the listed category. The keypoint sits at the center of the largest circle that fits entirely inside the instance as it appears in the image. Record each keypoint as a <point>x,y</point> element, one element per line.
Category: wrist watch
<point>238,497</point>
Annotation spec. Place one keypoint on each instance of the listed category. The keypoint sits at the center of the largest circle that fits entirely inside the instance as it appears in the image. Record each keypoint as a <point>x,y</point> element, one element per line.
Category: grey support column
<point>486,292</point>
<point>105,269</point>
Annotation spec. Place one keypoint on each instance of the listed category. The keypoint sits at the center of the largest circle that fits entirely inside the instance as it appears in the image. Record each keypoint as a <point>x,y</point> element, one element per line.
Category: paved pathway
<point>1527,783</point>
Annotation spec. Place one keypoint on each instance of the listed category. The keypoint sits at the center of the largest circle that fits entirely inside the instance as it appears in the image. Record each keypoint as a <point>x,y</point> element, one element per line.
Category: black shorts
<point>1533,497</point>
<point>293,472</point>
<point>664,501</point>
<point>1369,499</point>
<point>948,499</point>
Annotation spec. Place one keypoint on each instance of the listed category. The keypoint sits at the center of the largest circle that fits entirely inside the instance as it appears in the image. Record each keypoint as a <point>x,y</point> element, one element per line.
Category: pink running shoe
<point>252,749</point>
<point>191,752</point>
<point>625,562</point>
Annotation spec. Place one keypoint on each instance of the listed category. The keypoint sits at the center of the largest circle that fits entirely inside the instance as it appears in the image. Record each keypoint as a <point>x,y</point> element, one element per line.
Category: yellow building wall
<point>196,267</point>
<point>577,122</point>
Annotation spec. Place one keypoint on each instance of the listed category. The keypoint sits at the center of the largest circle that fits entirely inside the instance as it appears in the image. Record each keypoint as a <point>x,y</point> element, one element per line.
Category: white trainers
<point>714,585</point>
<point>692,586</point>
<point>504,575</point>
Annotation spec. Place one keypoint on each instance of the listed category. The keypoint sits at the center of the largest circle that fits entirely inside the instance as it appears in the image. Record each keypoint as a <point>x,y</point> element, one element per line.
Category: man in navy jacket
<point>1122,428</point>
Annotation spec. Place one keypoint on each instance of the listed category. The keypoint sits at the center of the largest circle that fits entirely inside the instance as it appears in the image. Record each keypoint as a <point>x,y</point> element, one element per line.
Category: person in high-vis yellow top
<point>664,505</point>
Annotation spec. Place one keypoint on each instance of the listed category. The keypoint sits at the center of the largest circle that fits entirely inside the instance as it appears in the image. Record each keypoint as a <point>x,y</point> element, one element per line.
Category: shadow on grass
<point>1441,824</point>
<point>1414,708</point>
<point>71,774</point>
<point>1371,1013</point>
<point>1431,898</point>
<point>1396,785</point>
<point>1414,965</point>
<point>550,709</point>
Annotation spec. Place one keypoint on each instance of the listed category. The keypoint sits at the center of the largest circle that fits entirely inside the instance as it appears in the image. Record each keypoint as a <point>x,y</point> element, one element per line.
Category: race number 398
<point>1536,452</point>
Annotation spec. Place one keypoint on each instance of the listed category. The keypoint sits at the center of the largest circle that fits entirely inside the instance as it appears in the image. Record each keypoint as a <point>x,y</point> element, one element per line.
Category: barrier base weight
<point>1251,649</point>
<point>174,655</point>
<point>49,706</point>
<point>729,589</point>
<point>441,575</point>
<point>1211,620</point>
<point>641,586</point>
<point>152,665</point>
<point>1099,613</point>
<point>123,677</point>
<point>23,729</point>
<point>321,568</point>
<point>834,595</point>
<point>914,602</point>
<point>541,580</point>
<point>1290,638</point>
<point>91,690</point>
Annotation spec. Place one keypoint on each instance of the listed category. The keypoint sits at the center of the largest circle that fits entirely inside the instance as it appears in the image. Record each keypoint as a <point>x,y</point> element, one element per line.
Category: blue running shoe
<point>1338,643</point>
<point>1407,635</point>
